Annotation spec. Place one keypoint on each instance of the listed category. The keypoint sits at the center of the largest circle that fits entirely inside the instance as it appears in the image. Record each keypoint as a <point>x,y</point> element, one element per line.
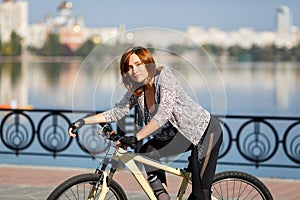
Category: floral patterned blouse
<point>165,132</point>
<point>174,106</point>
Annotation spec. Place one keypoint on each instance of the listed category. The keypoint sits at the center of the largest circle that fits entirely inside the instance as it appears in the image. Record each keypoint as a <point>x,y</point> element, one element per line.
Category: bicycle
<point>101,185</point>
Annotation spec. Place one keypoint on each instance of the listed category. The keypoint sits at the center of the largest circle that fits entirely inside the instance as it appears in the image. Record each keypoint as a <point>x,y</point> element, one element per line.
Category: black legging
<point>207,150</point>
<point>208,147</point>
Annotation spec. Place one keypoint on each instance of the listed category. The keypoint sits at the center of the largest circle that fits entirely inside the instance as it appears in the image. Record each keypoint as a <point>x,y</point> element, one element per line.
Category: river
<point>222,87</point>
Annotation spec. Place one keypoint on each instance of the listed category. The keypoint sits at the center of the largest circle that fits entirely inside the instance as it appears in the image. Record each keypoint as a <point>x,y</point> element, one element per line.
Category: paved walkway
<point>32,182</point>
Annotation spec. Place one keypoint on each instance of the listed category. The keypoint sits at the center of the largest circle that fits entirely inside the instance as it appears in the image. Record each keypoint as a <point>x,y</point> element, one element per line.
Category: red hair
<point>146,58</point>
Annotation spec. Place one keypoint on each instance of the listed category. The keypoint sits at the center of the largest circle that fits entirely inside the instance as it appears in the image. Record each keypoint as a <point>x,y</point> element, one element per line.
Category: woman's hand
<point>125,141</point>
<point>72,130</point>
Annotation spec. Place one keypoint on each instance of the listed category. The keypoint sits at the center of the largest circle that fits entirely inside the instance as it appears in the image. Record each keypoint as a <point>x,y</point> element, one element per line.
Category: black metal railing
<point>260,139</point>
<point>255,140</point>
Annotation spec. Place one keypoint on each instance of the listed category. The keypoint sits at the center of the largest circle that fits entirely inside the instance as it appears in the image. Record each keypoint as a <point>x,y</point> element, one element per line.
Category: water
<point>242,88</point>
<point>73,83</point>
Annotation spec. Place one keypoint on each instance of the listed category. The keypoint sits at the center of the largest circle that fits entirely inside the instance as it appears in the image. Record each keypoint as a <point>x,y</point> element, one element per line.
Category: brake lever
<point>108,133</point>
<point>113,136</point>
<point>74,130</point>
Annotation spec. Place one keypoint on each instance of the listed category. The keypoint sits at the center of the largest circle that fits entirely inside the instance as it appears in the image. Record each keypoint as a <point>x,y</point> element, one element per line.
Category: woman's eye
<point>130,68</point>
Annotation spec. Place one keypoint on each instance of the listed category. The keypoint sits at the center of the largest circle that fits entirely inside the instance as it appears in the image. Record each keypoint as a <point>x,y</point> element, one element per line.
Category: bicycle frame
<point>130,160</point>
<point>228,184</point>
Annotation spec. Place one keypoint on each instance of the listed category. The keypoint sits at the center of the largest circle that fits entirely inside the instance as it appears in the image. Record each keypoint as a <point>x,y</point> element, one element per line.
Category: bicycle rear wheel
<point>239,185</point>
<point>80,187</point>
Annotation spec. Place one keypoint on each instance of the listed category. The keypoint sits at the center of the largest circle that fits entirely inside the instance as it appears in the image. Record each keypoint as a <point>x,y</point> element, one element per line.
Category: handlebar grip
<point>74,129</point>
<point>106,128</point>
<point>114,137</point>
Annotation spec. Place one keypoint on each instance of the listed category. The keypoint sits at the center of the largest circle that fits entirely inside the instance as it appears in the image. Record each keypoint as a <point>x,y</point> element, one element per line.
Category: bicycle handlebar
<point>107,132</point>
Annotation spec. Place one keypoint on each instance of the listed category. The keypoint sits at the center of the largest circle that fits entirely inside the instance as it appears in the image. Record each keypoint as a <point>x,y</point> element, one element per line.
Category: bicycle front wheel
<point>86,186</point>
<point>239,185</point>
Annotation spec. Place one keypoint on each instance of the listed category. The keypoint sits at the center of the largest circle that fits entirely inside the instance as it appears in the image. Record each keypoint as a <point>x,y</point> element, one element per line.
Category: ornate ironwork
<point>291,142</point>
<point>259,143</point>
<point>227,140</point>
<point>257,139</point>
<point>89,140</point>
<point>17,131</point>
<point>52,134</point>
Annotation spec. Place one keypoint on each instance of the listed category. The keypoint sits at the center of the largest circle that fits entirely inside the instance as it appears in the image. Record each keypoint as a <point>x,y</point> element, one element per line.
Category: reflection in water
<point>11,82</point>
<point>249,88</point>
<point>52,72</point>
<point>264,88</point>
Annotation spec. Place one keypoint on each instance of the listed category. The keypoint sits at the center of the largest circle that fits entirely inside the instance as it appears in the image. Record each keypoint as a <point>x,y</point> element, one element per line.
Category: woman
<point>171,117</point>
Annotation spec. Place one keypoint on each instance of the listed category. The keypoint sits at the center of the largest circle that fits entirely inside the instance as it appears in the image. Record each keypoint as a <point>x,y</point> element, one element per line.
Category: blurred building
<point>284,20</point>
<point>73,33</point>
<point>71,30</point>
<point>244,37</point>
<point>13,17</point>
<point>286,34</point>
<point>37,35</point>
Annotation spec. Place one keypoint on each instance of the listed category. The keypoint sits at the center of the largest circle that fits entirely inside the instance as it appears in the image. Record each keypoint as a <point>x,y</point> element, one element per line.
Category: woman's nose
<point>134,68</point>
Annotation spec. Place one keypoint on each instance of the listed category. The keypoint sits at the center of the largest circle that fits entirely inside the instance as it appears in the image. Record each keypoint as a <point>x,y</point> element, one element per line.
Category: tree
<point>6,49</point>
<point>177,49</point>
<point>213,49</point>
<point>234,51</point>
<point>256,53</point>
<point>269,53</point>
<point>52,46</point>
<point>14,47</point>
<point>296,52</point>
<point>0,45</point>
<point>86,48</point>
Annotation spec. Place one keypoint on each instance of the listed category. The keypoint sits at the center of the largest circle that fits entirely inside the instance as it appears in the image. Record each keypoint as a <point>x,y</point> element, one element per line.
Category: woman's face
<point>137,70</point>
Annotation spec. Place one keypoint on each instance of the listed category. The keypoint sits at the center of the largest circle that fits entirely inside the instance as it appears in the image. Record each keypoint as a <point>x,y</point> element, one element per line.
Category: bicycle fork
<point>103,183</point>
<point>104,187</point>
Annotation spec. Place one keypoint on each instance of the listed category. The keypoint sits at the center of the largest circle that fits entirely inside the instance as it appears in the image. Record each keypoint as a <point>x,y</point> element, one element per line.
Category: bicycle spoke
<point>235,190</point>
<point>73,194</point>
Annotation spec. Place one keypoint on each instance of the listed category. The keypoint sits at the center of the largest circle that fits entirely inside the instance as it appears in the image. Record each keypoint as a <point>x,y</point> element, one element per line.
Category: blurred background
<point>254,44</point>
<point>250,51</point>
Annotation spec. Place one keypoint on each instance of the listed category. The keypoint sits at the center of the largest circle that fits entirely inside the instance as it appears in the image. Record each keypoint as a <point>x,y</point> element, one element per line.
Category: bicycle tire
<point>239,185</point>
<point>79,187</point>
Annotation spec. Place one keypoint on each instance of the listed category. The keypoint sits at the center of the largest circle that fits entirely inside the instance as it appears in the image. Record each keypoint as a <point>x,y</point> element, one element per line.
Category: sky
<point>226,15</point>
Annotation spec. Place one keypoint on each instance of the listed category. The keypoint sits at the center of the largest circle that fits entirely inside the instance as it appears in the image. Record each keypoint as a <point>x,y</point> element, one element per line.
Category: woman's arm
<point>95,119</point>
<point>167,84</point>
<point>115,114</point>
<point>151,127</point>
<point>165,107</point>
<point>143,133</point>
